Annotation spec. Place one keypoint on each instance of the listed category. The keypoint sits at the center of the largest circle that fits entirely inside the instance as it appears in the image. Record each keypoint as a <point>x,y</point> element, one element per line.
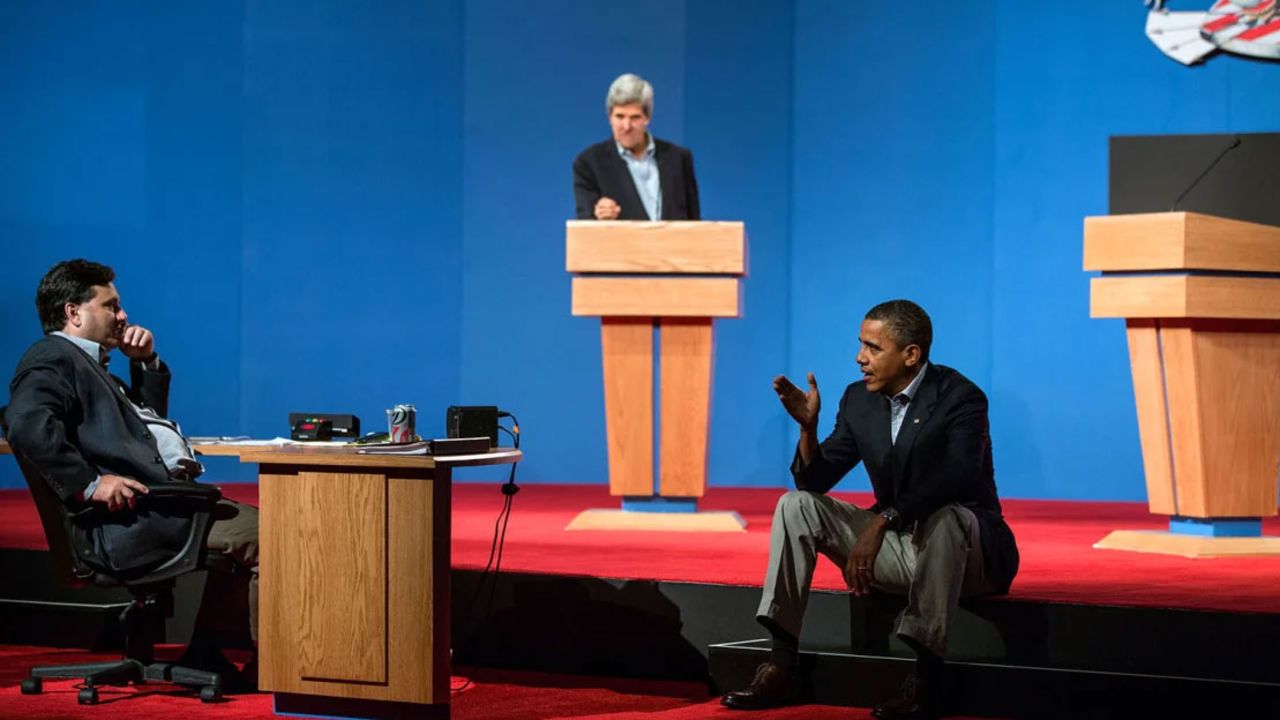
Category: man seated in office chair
<point>95,439</point>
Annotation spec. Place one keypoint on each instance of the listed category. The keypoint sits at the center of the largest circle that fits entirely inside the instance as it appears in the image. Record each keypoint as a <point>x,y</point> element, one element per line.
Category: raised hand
<point>802,406</point>
<point>137,343</point>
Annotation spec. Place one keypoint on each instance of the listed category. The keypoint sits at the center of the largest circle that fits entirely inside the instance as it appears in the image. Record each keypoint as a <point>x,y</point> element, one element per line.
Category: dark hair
<point>70,281</point>
<point>906,322</point>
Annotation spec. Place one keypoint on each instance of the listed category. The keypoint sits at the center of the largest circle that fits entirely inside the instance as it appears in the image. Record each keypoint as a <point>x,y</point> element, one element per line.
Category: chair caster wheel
<point>32,686</point>
<point>210,693</point>
<point>87,696</point>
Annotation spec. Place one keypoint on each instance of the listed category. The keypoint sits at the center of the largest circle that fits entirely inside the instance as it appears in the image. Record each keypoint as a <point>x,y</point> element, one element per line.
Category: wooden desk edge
<point>344,457</point>
<point>341,456</point>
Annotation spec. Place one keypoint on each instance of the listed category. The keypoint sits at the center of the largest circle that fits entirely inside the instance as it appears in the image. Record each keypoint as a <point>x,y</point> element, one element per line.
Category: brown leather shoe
<point>916,701</point>
<point>773,686</point>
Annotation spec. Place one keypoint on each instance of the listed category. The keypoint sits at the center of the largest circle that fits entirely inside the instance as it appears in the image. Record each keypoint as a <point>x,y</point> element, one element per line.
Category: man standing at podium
<point>936,531</point>
<point>633,175</point>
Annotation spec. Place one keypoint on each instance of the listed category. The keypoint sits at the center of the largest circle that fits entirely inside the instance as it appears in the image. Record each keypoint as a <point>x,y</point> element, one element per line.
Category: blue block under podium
<point>660,504</point>
<point>1216,527</point>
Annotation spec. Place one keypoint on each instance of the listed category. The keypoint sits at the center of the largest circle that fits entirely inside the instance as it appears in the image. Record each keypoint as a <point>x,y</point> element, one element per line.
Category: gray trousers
<point>235,533</point>
<point>934,563</point>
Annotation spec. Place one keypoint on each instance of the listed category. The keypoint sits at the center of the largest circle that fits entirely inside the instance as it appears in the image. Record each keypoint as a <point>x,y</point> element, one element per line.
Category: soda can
<point>401,420</point>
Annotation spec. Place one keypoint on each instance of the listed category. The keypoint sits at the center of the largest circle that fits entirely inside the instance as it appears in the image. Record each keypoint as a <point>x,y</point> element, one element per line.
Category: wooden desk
<point>354,579</point>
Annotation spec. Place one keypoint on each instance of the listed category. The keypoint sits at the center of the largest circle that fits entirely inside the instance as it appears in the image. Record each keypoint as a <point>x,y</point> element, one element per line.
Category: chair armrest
<point>184,490</point>
<point>204,496</point>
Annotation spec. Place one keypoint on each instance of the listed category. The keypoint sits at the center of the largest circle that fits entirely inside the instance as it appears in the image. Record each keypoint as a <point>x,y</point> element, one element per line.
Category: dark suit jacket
<point>71,419</point>
<point>599,172</point>
<point>942,456</point>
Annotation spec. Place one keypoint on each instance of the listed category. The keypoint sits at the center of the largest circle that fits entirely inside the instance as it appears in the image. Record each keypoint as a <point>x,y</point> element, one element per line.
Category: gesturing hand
<point>802,406</point>
<point>118,491</point>
<point>137,343</point>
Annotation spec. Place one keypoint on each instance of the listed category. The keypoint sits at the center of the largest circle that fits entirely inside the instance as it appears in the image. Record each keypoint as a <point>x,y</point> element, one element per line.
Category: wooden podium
<point>1201,300</point>
<point>676,277</point>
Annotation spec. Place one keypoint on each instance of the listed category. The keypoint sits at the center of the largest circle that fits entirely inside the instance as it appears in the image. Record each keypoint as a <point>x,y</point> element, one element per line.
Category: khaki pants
<point>235,534</point>
<point>934,563</point>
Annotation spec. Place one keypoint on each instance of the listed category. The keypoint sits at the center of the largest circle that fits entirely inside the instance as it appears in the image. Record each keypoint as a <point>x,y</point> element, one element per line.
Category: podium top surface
<point>666,247</point>
<point>1179,241</point>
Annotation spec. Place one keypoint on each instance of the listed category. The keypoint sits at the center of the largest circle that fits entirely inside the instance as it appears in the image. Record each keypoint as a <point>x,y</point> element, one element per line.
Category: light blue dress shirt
<point>899,403</point>
<point>644,172</point>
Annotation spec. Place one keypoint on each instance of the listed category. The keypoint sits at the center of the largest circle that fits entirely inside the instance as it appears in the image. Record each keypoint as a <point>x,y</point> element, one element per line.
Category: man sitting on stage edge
<point>634,176</point>
<point>96,440</point>
<point>936,531</point>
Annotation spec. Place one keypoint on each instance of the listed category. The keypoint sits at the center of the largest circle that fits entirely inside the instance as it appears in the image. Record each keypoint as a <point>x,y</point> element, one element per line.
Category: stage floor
<point>1059,563</point>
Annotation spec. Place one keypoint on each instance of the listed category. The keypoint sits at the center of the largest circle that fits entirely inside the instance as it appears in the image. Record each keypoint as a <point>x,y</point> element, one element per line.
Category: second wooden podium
<point>1201,300</point>
<point>675,277</point>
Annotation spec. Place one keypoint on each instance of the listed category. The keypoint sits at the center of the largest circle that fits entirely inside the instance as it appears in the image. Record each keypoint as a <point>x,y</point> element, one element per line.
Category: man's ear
<point>71,314</point>
<point>913,354</point>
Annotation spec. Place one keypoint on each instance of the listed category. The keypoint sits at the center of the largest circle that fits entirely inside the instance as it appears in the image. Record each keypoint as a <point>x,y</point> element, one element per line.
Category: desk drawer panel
<point>334,540</point>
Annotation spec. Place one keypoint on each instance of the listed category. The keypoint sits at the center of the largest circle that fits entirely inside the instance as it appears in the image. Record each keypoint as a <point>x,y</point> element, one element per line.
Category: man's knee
<point>953,526</point>
<point>796,502</point>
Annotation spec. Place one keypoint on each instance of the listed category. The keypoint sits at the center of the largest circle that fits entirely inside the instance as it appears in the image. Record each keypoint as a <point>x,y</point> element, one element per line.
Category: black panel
<point>338,707</point>
<point>1149,172</point>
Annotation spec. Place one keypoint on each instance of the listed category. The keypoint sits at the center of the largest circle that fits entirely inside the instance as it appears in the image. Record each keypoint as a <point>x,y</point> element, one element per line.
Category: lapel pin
<point>916,422</point>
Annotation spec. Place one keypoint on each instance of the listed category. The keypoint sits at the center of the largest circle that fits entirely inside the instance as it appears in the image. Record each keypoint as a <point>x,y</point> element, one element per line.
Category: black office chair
<point>69,534</point>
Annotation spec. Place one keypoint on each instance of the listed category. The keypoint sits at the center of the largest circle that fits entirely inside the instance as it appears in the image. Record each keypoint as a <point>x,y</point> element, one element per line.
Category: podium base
<point>603,519</point>
<point>1191,546</point>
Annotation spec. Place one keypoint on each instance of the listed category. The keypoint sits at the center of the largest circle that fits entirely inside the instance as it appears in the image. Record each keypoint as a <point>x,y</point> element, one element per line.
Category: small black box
<point>470,421</point>
<point>309,429</point>
<point>344,425</point>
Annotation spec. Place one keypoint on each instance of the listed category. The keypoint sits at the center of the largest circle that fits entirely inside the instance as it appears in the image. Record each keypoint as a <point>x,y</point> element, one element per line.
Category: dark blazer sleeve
<point>691,188</point>
<point>957,475</point>
<point>41,399</point>
<point>586,187</point>
<point>837,455</point>
<point>150,388</point>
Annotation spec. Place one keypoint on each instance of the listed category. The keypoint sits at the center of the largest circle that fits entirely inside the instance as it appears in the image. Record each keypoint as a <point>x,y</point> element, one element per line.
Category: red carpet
<point>1058,562</point>
<point>1055,538</point>
<point>491,695</point>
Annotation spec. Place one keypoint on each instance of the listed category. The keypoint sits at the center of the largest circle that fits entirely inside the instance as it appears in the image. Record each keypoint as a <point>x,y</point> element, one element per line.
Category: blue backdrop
<point>338,206</point>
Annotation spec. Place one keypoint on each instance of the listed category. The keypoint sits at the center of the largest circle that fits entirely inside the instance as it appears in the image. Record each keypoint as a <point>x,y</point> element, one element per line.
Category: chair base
<point>125,672</point>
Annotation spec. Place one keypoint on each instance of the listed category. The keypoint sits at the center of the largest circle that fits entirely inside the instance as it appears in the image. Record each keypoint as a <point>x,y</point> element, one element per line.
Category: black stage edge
<point>1004,691</point>
<point>1032,656</point>
<point>323,706</point>
<point>1013,658</point>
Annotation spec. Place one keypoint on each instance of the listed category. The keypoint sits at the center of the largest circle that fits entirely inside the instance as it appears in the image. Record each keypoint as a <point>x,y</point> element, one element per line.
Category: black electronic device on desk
<point>311,429</point>
<point>472,421</point>
<point>306,427</point>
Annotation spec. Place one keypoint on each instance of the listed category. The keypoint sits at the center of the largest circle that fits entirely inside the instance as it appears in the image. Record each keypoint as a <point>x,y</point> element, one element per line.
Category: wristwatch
<point>890,516</point>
